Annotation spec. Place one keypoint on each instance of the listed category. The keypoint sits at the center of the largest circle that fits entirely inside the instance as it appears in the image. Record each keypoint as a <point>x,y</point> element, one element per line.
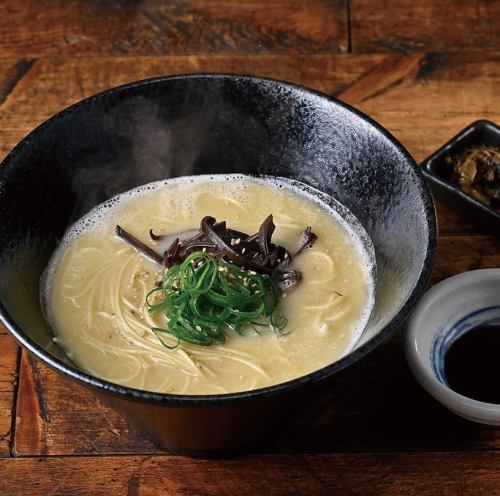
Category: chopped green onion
<point>203,297</point>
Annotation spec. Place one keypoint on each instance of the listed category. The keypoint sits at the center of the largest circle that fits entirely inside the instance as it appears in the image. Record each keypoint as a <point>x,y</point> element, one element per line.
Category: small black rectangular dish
<point>436,170</point>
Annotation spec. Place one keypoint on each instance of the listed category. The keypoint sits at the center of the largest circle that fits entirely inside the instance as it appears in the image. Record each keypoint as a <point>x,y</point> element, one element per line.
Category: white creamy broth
<point>95,286</point>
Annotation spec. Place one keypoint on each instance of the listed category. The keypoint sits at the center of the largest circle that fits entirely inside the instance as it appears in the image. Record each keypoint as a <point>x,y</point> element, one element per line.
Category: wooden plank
<point>423,99</point>
<point>50,85</point>
<point>8,365</point>
<point>155,27</point>
<point>55,416</point>
<point>458,254</point>
<point>359,411</point>
<point>410,474</point>
<point>451,222</point>
<point>425,25</point>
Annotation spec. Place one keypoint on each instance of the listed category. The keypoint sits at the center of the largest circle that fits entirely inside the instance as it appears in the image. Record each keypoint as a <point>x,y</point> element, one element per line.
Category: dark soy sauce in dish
<point>472,364</point>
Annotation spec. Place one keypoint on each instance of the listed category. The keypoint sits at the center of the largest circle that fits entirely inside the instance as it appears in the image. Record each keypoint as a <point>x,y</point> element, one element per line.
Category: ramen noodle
<point>95,287</point>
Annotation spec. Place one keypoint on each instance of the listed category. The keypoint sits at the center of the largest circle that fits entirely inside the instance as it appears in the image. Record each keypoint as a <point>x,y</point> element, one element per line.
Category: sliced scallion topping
<point>204,297</point>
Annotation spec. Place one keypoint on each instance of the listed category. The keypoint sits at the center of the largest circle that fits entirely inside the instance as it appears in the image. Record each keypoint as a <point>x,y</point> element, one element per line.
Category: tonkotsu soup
<point>95,289</point>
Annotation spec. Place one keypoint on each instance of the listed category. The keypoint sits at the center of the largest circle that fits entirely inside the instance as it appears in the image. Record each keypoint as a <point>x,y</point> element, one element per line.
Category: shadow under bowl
<point>209,124</point>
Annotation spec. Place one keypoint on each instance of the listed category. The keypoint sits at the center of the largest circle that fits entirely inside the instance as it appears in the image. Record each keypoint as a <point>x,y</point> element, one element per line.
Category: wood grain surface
<point>395,474</point>
<point>34,28</point>
<point>386,86</point>
<point>8,362</point>
<point>424,70</point>
<point>425,25</point>
<point>55,416</point>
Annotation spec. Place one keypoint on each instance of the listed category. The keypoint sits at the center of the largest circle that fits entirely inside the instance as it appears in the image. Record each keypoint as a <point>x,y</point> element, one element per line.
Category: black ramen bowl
<point>207,124</point>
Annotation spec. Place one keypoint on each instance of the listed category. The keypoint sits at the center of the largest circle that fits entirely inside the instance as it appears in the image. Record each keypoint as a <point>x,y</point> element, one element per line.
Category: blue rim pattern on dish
<point>450,334</point>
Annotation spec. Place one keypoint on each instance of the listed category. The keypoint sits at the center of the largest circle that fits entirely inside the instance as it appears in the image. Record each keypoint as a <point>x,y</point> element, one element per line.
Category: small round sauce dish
<point>447,312</point>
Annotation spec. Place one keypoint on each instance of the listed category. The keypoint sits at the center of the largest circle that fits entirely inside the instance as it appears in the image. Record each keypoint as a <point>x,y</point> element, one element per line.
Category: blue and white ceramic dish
<point>446,312</point>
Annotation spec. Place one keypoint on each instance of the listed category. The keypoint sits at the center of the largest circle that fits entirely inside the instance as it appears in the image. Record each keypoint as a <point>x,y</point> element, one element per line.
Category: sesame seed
<point>284,295</point>
<point>243,251</point>
<point>252,273</point>
<point>221,269</point>
<point>198,328</point>
<point>286,255</point>
<point>204,250</point>
<point>232,241</point>
<point>238,241</point>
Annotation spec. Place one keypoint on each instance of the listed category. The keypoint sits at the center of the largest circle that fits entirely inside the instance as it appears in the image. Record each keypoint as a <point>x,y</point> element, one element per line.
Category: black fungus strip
<point>138,245</point>
<point>307,240</point>
<point>266,231</point>
<point>172,255</point>
<point>253,252</point>
<point>207,224</point>
<point>155,237</point>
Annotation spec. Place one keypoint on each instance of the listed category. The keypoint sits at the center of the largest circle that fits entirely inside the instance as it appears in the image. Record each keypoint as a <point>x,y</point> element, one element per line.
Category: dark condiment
<point>472,364</point>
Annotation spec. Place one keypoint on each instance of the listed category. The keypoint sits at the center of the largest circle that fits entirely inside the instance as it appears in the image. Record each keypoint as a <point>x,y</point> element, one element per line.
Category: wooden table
<point>424,69</point>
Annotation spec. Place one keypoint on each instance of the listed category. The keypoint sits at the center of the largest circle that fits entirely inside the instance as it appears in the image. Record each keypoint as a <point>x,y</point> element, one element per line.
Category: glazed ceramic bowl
<point>446,312</point>
<point>207,124</point>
